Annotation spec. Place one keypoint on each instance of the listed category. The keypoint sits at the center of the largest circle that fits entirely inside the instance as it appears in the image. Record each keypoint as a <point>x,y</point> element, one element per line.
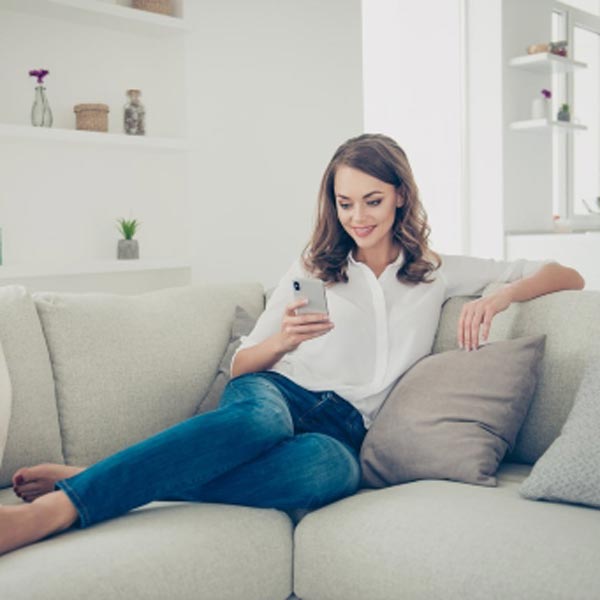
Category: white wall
<point>413,92</point>
<point>484,195</point>
<point>276,86</point>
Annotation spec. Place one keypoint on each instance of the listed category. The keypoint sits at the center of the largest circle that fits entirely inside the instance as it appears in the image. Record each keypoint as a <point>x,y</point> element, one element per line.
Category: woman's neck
<point>377,259</point>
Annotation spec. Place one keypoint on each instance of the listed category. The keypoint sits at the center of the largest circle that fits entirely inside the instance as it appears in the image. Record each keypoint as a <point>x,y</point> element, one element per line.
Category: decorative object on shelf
<point>537,48</point>
<point>564,114</point>
<point>164,7</point>
<point>541,107</point>
<point>559,48</point>
<point>91,117</point>
<point>41,115</point>
<point>128,248</point>
<point>562,225</point>
<point>134,114</point>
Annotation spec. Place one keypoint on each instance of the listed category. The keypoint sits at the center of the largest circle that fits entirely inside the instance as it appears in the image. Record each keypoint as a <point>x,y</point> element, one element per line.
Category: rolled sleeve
<point>468,275</point>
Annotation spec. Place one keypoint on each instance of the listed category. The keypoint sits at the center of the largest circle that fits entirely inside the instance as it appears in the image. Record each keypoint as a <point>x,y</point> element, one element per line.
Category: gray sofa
<point>92,373</point>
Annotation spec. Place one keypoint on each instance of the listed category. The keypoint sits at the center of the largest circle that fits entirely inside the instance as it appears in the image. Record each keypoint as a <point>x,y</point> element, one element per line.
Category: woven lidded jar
<point>164,7</point>
<point>91,117</point>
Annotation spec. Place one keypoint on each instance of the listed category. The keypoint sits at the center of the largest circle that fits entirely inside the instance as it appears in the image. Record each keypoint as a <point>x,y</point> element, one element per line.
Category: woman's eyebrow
<point>364,197</point>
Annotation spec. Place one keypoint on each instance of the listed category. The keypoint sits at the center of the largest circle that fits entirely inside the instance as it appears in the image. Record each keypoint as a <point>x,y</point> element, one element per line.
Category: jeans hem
<point>84,520</point>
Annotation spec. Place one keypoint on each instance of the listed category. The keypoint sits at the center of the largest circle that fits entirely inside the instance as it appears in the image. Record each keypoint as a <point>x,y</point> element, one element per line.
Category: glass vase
<point>134,115</point>
<point>41,115</point>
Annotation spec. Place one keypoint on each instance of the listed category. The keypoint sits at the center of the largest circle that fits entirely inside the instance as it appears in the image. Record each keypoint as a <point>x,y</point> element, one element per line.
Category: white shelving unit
<point>45,134</point>
<point>8,273</point>
<point>546,125</point>
<point>97,14</point>
<point>546,62</point>
<point>100,14</point>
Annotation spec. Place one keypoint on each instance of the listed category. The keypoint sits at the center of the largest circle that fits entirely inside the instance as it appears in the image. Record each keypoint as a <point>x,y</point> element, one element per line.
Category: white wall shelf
<point>50,134</point>
<point>103,14</point>
<point>9,272</point>
<point>546,125</point>
<point>546,62</point>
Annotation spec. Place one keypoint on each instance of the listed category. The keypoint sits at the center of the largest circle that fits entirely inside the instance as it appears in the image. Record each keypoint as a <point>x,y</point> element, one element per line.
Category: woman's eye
<point>374,203</point>
<point>344,206</point>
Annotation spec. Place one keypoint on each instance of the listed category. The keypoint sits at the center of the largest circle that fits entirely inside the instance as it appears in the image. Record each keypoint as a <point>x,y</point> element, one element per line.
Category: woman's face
<point>366,207</point>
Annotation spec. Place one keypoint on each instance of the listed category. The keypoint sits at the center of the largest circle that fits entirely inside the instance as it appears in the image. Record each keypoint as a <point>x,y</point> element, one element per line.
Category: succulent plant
<point>128,228</point>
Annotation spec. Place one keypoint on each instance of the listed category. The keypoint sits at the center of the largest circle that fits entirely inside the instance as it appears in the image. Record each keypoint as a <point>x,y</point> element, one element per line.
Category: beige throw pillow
<point>453,415</point>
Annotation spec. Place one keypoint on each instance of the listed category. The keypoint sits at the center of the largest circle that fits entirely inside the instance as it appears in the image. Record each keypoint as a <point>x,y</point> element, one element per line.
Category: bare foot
<point>30,483</point>
<point>22,525</point>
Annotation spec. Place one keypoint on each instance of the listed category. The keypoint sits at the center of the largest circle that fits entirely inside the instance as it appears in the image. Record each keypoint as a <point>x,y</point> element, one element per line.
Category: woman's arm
<point>552,277</point>
<point>295,329</point>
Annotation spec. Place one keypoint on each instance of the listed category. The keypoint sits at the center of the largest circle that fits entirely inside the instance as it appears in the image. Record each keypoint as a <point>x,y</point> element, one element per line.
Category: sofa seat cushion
<point>441,539</point>
<point>188,551</point>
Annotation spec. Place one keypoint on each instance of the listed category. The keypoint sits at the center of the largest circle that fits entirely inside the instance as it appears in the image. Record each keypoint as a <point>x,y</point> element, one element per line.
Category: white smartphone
<point>314,290</point>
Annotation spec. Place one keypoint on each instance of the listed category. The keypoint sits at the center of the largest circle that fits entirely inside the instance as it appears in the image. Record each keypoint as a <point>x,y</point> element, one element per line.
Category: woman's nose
<point>358,213</point>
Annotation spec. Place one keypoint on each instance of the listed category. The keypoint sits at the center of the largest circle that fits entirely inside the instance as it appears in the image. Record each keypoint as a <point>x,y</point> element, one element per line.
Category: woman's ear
<point>399,199</point>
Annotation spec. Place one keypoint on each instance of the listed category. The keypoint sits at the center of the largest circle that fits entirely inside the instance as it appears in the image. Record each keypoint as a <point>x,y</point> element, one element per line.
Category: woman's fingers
<point>290,309</point>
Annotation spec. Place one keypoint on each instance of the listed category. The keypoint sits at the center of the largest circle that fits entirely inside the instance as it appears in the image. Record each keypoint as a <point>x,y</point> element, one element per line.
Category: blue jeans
<point>271,443</point>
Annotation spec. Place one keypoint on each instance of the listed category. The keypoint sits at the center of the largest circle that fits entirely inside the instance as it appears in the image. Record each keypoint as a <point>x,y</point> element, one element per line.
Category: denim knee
<point>261,401</point>
<point>335,469</point>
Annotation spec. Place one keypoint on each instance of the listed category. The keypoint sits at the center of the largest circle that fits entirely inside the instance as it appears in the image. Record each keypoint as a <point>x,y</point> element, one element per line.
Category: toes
<point>28,488</point>
<point>18,478</point>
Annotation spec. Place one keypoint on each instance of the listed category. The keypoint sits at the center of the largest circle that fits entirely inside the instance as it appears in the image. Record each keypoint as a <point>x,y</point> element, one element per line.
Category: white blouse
<point>382,326</point>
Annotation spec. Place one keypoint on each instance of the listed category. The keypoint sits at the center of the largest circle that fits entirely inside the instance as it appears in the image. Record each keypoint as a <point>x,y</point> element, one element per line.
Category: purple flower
<point>39,73</point>
<point>547,94</point>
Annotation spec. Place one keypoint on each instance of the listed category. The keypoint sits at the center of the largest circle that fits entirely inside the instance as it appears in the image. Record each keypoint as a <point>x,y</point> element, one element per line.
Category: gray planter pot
<point>128,249</point>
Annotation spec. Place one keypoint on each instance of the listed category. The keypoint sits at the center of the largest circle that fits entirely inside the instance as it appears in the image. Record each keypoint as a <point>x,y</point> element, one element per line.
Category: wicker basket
<point>91,117</point>
<point>164,7</point>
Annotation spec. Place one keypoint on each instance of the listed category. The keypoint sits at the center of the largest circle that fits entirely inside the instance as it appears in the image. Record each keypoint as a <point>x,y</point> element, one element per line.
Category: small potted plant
<point>128,248</point>
<point>564,114</point>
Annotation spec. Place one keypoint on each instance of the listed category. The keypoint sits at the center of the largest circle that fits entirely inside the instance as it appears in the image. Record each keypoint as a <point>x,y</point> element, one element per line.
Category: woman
<point>306,388</point>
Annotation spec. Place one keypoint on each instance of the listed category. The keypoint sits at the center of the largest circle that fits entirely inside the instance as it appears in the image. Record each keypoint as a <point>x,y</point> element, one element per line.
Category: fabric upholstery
<point>453,415</point>
<point>127,367</point>
<point>569,341</point>
<point>5,402</point>
<point>33,431</point>
<point>242,325</point>
<point>569,471</point>
<point>188,551</point>
<point>442,539</point>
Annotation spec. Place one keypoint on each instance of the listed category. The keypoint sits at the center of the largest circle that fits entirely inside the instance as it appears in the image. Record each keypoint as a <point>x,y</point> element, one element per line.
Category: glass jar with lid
<point>134,114</point>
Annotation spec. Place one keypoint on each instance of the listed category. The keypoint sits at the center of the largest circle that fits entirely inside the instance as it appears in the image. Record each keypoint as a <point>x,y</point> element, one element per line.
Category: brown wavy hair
<point>325,256</point>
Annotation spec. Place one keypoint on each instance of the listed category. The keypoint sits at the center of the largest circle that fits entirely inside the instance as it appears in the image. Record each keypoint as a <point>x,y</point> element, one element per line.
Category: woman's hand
<point>479,314</point>
<point>296,329</point>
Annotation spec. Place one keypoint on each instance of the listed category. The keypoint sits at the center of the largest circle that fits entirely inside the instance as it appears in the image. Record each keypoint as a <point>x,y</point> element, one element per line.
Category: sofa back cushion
<point>570,321</point>
<point>33,430</point>
<point>126,367</point>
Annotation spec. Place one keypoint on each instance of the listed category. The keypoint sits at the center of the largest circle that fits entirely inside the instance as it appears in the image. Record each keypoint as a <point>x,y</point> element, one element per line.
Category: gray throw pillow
<point>453,415</point>
<point>243,324</point>
<point>569,471</point>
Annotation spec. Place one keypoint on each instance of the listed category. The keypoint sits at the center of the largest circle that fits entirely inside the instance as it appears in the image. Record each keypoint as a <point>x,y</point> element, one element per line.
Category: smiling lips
<point>363,231</point>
